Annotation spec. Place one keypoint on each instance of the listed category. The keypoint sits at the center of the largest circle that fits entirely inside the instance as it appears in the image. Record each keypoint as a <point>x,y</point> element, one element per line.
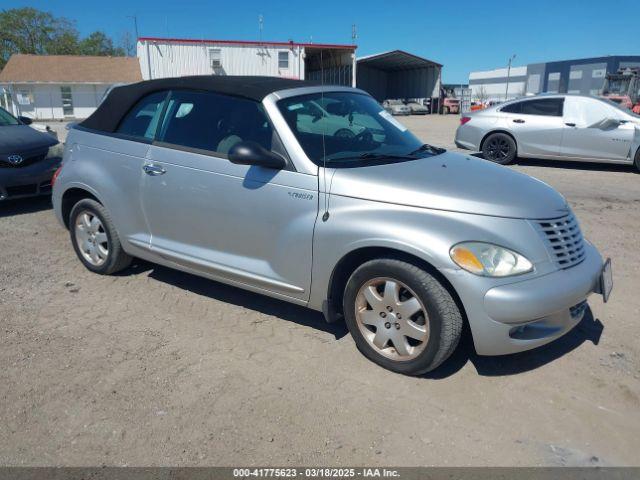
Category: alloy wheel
<point>392,319</point>
<point>91,238</point>
<point>498,149</point>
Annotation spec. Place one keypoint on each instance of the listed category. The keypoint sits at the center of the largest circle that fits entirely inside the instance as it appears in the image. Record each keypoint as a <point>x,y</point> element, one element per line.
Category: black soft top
<point>122,99</point>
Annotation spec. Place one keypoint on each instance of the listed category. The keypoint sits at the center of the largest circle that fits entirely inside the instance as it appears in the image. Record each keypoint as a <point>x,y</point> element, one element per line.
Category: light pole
<point>506,93</point>
<point>135,24</point>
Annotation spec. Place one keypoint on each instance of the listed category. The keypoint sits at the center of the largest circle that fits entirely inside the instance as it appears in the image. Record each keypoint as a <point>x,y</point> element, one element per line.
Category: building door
<point>67,101</point>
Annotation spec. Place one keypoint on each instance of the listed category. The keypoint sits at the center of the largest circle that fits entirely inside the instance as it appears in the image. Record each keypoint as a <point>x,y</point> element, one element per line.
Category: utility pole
<point>260,26</point>
<point>354,34</point>
<point>506,93</point>
<point>135,25</point>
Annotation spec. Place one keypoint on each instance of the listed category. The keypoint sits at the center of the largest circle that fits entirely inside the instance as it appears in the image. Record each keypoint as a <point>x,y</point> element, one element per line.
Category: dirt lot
<point>156,367</point>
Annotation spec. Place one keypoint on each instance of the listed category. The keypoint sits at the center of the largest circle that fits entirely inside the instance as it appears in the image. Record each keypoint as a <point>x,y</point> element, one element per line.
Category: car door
<point>536,125</point>
<point>246,225</point>
<point>118,159</point>
<point>591,135</point>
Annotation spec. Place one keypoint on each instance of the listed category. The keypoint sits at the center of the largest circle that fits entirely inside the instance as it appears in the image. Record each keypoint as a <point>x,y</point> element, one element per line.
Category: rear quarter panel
<point>110,168</point>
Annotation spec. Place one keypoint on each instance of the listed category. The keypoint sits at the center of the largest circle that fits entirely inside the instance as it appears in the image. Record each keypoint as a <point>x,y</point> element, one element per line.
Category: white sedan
<point>556,127</point>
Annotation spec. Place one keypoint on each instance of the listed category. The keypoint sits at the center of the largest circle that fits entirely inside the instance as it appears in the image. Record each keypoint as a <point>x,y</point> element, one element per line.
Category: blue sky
<point>462,35</point>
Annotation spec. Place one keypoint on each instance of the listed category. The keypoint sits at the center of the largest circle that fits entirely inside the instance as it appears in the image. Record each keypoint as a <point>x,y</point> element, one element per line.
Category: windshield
<point>7,119</point>
<point>618,107</point>
<point>346,127</point>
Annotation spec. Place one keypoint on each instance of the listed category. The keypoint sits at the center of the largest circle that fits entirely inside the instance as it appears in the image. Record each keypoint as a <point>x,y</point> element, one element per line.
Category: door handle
<point>518,120</point>
<point>153,170</point>
<point>569,124</point>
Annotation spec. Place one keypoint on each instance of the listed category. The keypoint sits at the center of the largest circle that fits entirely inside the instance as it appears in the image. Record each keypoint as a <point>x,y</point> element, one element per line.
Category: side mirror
<point>609,123</point>
<point>25,120</point>
<point>252,153</point>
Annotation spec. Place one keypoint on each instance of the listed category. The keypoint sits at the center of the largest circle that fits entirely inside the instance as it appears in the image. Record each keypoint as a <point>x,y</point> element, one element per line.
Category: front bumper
<point>529,313</point>
<point>28,181</point>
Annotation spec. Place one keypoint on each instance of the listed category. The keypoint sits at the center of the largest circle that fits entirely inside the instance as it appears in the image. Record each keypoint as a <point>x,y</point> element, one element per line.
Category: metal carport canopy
<point>396,60</point>
<point>398,74</point>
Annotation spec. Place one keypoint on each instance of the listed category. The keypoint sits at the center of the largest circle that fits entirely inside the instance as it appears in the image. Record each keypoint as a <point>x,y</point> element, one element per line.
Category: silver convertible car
<point>223,177</point>
<point>555,127</point>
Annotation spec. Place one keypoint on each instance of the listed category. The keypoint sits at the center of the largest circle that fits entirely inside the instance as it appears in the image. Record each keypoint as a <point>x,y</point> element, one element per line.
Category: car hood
<point>453,182</point>
<point>18,139</point>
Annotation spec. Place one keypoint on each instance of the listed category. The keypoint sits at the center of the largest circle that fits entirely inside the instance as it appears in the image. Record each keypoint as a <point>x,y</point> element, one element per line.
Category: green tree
<point>98,43</point>
<point>27,30</point>
<point>65,43</point>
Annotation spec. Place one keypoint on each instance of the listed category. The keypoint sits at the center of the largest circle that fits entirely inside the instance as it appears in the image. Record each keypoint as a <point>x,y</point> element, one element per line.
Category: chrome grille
<point>563,239</point>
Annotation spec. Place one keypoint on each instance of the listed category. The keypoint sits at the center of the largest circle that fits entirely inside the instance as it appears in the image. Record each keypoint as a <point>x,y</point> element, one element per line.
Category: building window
<point>575,74</point>
<point>24,97</point>
<point>554,76</point>
<point>215,57</point>
<point>533,83</point>
<point>283,59</point>
<point>599,73</point>
<point>67,101</point>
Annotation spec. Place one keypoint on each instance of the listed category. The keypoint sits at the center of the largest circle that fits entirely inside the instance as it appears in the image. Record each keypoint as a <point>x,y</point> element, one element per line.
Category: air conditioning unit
<point>215,58</point>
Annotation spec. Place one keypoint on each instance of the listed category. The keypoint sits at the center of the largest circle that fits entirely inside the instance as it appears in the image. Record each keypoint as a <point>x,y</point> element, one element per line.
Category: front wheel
<point>400,316</point>
<point>636,162</point>
<point>499,148</point>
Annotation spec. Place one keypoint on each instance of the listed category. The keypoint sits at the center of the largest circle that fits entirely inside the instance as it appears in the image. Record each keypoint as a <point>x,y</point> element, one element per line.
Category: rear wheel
<point>400,316</point>
<point>499,148</point>
<point>637,161</point>
<point>94,238</point>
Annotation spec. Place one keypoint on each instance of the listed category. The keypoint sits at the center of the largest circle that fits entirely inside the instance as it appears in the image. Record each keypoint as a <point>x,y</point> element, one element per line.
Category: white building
<point>57,87</point>
<point>493,84</point>
<point>171,57</point>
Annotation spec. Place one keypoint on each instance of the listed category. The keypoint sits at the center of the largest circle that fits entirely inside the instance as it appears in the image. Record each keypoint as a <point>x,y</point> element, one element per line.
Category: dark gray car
<point>28,158</point>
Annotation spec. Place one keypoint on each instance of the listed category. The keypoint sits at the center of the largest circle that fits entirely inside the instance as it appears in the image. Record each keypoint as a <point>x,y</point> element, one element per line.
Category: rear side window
<point>142,120</point>
<point>546,107</point>
<point>214,122</point>
<point>512,108</point>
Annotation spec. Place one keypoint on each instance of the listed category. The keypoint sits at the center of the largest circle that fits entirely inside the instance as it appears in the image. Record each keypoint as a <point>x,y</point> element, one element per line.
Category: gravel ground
<point>157,367</point>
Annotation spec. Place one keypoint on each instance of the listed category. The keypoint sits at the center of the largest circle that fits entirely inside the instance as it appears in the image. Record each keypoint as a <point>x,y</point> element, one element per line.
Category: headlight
<point>55,151</point>
<point>489,260</point>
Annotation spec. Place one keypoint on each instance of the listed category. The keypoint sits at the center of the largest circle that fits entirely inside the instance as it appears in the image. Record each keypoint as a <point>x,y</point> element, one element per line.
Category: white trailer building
<point>174,57</point>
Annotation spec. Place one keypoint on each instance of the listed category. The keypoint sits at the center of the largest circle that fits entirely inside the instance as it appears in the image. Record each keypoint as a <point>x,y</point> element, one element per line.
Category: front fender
<point>423,233</point>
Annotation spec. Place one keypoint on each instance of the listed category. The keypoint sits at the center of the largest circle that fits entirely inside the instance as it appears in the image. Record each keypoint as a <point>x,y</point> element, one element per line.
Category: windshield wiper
<point>428,148</point>
<point>375,156</point>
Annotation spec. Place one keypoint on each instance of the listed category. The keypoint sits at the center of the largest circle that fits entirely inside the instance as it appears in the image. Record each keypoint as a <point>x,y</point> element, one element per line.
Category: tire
<point>344,133</point>
<point>636,162</point>
<point>499,148</point>
<point>371,321</point>
<point>445,110</point>
<point>101,238</point>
